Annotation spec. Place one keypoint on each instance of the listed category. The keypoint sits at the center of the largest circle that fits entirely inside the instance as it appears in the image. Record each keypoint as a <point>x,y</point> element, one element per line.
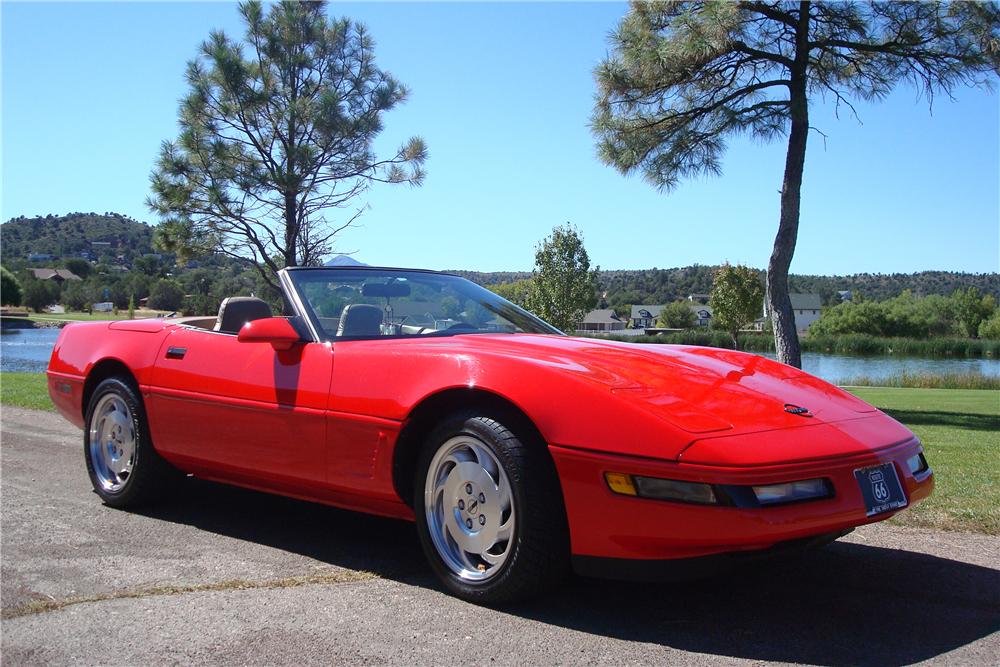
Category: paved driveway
<point>224,575</point>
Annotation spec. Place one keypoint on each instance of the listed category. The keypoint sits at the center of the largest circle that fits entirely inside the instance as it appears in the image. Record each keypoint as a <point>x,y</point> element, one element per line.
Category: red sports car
<point>519,451</point>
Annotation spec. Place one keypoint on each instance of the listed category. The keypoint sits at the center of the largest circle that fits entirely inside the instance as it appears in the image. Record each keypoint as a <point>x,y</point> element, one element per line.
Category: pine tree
<point>683,76</point>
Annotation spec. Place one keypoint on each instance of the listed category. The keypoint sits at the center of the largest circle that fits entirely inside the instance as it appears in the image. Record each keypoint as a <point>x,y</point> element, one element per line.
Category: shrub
<point>10,288</point>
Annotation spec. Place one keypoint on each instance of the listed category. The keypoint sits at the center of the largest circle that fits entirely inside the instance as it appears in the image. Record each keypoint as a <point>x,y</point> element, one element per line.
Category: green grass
<point>25,390</point>
<point>89,317</point>
<point>927,381</point>
<point>960,430</point>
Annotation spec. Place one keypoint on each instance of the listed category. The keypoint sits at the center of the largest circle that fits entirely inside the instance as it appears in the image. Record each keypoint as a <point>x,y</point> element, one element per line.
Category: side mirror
<point>277,331</point>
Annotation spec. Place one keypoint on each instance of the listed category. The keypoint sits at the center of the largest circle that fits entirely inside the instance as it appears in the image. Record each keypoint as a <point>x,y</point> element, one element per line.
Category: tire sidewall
<point>126,393</point>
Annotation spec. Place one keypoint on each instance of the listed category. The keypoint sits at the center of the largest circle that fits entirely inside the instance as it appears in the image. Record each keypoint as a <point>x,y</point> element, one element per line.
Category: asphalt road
<point>224,575</point>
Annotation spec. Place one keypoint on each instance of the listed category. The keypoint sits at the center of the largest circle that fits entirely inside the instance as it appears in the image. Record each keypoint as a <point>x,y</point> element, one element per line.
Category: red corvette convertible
<point>519,451</point>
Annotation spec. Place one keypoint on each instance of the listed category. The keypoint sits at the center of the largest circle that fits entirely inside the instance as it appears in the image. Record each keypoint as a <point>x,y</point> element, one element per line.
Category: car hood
<point>699,390</point>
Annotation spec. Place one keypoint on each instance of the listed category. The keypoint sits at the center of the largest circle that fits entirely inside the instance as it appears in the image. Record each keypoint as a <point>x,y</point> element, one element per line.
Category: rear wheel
<point>489,511</point>
<point>124,468</point>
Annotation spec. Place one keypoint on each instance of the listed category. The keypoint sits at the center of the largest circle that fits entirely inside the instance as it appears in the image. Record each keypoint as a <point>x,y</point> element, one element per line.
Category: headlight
<point>788,492</point>
<point>661,489</point>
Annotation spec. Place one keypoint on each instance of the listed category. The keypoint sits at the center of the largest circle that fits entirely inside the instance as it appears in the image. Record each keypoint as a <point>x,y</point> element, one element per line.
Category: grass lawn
<point>88,317</point>
<point>960,430</point>
<point>25,390</point>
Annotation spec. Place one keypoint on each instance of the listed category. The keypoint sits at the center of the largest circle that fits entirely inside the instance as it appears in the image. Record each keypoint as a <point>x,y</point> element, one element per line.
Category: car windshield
<point>378,303</point>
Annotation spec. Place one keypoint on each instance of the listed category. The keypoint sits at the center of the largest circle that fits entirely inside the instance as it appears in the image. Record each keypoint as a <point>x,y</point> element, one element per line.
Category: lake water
<point>29,350</point>
<point>26,350</point>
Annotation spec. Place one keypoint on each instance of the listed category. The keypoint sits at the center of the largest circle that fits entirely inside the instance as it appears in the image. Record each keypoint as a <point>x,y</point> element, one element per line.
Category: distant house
<point>699,298</point>
<point>601,320</point>
<point>644,317</point>
<point>702,313</point>
<point>806,308</point>
<point>39,257</point>
<point>845,295</point>
<point>56,275</point>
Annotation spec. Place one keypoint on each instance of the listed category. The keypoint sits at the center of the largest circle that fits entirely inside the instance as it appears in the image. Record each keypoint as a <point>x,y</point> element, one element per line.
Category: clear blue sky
<point>502,94</point>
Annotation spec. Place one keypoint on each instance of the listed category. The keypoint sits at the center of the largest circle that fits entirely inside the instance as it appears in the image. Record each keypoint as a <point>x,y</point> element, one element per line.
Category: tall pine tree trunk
<point>779,304</point>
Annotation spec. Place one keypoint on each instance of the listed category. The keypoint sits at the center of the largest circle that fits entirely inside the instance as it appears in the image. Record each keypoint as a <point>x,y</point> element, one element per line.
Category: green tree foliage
<point>684,76</point>
<point>40,294</point>
<point>517,292</point>
<point>166,295</point>
<point>10,288</point>
<point>989,329</point>
<point>75,234</point>
<point>971,308</point>
<point>905,316</point>
<point>677,315</point>
<point>658,286</point>
<point>76,295</point>
<point>737,299</point>
<point>80,267</point>
<point>563,286</point>
<point>277,132</point>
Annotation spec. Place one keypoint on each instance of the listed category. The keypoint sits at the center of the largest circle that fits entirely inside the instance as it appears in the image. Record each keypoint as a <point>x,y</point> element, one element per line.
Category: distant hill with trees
<point>74,235</point>
<point>659,286</point>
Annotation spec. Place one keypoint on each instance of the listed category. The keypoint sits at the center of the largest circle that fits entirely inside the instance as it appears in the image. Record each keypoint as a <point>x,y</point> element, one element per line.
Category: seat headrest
<point>360,319</point>
<point>237,311</point>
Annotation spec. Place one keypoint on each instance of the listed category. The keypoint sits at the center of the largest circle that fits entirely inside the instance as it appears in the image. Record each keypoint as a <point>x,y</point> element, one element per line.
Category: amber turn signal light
<point>620,483</point>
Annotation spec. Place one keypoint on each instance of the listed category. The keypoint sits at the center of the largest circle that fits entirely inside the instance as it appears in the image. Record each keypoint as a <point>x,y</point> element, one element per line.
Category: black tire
<point>150,474</point>
<point>539,557</point>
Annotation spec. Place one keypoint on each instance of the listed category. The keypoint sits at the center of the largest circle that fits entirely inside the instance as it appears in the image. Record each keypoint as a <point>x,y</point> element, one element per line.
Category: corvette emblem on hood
<point>797,410</point>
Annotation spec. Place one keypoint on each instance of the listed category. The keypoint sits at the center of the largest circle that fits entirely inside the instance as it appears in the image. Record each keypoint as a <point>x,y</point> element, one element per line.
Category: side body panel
<point>242,408</point>
<point>82,345</point>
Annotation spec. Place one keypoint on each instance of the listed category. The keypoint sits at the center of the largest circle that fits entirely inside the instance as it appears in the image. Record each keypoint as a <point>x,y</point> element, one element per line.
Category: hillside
<point>74,235</point>
<point>664,285</point>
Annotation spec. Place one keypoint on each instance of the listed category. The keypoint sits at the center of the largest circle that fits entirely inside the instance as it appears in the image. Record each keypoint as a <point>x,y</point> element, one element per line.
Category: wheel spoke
<point>506,530</point>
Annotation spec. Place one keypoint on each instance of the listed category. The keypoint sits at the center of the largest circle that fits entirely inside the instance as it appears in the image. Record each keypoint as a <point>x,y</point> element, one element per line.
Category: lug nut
<point>461,504</point>
<point>468,488</point>
<point>482,519</point>
<point>468,523</point>
<point>482,498</point>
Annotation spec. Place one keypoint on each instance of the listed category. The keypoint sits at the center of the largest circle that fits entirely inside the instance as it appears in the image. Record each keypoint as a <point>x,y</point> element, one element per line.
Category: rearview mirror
<point>389,289</point>
<point>277,331</point>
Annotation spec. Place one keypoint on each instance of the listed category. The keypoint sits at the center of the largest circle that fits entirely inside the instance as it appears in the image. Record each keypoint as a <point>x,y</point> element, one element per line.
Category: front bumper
<point>606,525</point>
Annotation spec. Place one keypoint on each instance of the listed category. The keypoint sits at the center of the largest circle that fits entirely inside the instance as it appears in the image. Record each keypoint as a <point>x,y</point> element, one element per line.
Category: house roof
<point>46,274</point>
<point>699,308</point>
<point>806,301</point>
<point>651,311</point>
<point>601,316</point>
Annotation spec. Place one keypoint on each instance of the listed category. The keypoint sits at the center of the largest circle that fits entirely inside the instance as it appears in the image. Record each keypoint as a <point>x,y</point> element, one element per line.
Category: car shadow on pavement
<point>845,604</point>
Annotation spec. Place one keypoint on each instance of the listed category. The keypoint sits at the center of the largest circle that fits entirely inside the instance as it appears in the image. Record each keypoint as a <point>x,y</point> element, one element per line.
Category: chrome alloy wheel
<point>112,442</point>
<point>469,508</point>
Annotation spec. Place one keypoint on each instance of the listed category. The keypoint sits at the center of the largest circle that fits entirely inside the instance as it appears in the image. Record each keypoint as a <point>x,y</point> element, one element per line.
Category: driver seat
<point>360,319</point>
<point>236,311</point>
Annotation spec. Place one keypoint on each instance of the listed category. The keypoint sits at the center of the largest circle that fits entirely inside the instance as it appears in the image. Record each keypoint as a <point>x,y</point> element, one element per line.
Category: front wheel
<point>124,468</point>
<point>489,511</point>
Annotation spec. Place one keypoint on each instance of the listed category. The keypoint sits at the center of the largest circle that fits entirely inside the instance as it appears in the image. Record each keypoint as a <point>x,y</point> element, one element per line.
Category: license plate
<point>881,488</point>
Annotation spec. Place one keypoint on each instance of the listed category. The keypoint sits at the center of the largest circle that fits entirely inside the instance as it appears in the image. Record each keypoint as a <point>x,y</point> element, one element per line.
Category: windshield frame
<point>289,278</point>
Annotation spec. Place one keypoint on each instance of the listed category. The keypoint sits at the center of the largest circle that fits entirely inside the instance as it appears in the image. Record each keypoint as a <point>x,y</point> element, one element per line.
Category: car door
<point>242,410</point>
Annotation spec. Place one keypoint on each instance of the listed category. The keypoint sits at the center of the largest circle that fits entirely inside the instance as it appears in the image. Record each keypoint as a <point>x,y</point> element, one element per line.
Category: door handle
<point>176,352</point>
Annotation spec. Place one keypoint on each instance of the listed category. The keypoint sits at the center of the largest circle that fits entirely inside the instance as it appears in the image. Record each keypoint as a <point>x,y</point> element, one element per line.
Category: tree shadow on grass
<point>971,421</point>
<point>847,604</point>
